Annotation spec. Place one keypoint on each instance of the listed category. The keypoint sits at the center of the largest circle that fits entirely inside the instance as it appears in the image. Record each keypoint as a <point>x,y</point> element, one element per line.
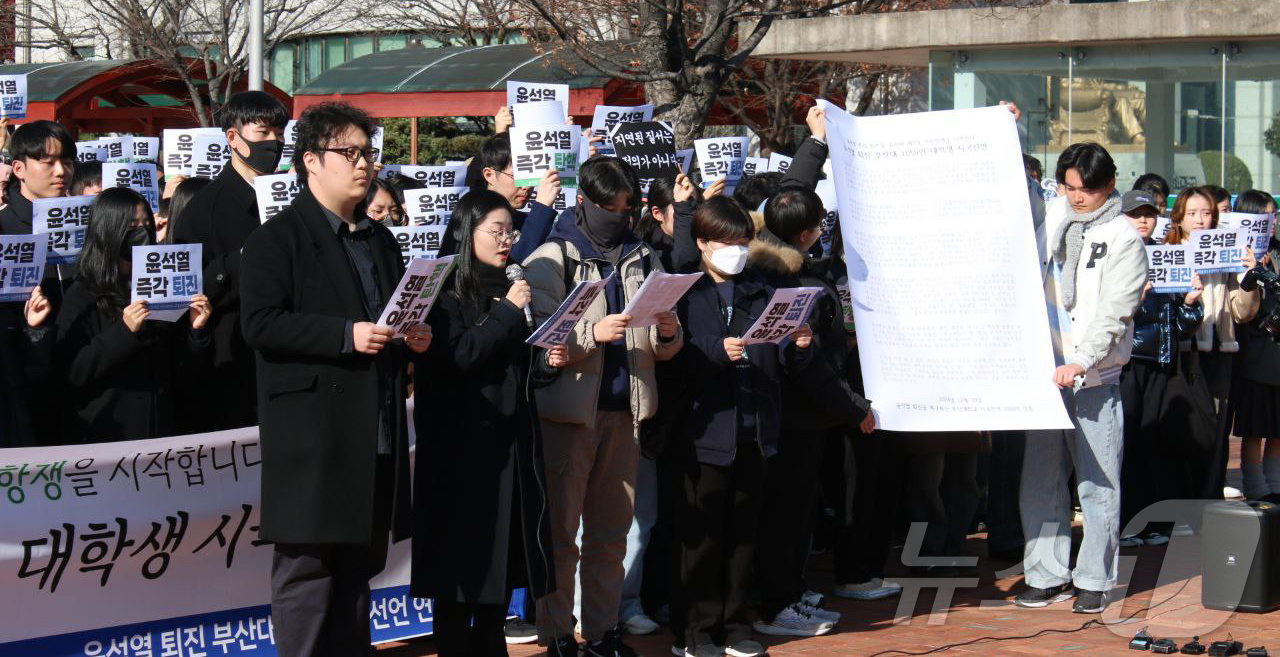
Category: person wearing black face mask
<point>592,413</point>
<point>221,217</point>
<point>122,370</point>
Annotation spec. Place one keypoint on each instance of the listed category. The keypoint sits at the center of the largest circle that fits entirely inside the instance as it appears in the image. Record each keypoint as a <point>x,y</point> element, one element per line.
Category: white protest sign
<point>1217,251</point>
<point>210,155</point>
<point>1169,267</point>
<point>13,96</point>
<point>64,220</point>
<point>90,151</point>
<point>556,330</point>
<point>375,142</point>
<point>411,303</point>
<point>846,303</point>
<point>117,149</point>
<point>787,309</point>
<point>144,148</point>
<point>418,241</point>
<point>607,116</point>
<point>519,93</point>
<point>658,294</point>
<point>721,157</point>
<point>1161,229</point>
<point>686,159</point>
<point>166,276</point>
<point>138,176</point>
<point>753,165</point>
<point>22,260</point>
<point>274,193</point>
<point>779,162</point>
<point>540,148</point>
<point>826,190</point>
<point>1256,228</point>
<point>542,112</point>
<point>968,350</point>
<point>431,206</point>
<point>179,149</point>
<point>433,176</point>
<point>286,153</point>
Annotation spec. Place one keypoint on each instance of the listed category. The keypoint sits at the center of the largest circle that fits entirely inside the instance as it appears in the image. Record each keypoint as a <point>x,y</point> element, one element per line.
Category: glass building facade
<point>1189,111</point>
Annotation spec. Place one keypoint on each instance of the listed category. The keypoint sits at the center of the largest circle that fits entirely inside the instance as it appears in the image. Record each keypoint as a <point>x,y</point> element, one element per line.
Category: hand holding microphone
<point>520,293</point>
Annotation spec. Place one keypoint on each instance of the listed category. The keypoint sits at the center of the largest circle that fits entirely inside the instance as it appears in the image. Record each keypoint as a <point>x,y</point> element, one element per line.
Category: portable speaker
<point>1241,548</point>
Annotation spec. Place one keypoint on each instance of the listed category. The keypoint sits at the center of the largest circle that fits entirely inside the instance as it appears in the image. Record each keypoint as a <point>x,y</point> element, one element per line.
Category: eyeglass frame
<point>508,234</point>
<point>370,153</point>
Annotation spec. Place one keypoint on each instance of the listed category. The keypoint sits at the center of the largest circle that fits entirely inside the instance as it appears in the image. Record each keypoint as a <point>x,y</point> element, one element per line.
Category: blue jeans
<point>1095,449</point>
<point>646,515</point>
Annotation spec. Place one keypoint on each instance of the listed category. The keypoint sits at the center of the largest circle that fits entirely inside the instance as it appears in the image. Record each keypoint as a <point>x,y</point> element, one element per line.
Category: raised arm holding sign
<point>541,148</point>
<point>721,158</point>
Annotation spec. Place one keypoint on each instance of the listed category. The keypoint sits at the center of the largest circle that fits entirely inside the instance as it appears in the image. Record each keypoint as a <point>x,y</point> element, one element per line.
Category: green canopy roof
<point>472,68</point>
<point>47,82</point>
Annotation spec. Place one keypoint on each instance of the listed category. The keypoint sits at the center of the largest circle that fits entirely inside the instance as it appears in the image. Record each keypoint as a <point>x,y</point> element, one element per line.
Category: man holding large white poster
<point>1094,269</point>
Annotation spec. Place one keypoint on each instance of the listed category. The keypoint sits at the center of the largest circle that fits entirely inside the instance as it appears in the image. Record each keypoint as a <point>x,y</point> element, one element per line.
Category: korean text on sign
<point>65,220</point>
<point>435,176</point>
<point>607,116</point>
<point>1169,267</point>
<point>22,259</point>
<point>556,330</point>
<point>649,146</point>
<point>140,177</point>
<point>1217,251</point>
<point>786,311</point>
<point>418,241</point>
<point>13,96</point>
<point>432,206</point>
<point>166,277</point>
<point>274,193</point>
<point>721,157</point>
<point>415,294</point>
<point>1256,228</point>
<point>532,92</point>
<point>538,149</point>
<point>179,149</point>
<point>210,155</point>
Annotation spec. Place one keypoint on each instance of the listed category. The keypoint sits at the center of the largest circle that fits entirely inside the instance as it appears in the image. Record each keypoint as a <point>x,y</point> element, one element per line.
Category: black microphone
<point>516,273</point>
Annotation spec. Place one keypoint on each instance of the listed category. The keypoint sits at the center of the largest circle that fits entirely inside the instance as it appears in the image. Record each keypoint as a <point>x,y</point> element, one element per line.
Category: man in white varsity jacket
<point>1094,269</point>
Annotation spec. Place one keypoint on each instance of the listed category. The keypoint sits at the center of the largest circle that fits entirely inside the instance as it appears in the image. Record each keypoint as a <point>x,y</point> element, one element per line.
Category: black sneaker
<point>1090,602</point>
<point>517,630</point>
<point>610,646</point>
<point>565,646</point>
<point>1035,598</point>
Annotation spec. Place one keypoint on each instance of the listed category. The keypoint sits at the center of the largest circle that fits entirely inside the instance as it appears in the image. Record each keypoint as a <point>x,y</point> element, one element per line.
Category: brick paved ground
<point>976,614</point>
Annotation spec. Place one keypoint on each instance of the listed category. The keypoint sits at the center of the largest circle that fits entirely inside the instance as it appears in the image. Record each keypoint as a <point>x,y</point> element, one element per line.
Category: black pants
<point>717,520</point>
<point>1004,480</point>
<point>867,507</point>
<point>790,500</point>
<point>320,591</point>
<point>944,494</point>
<point>467,630</point>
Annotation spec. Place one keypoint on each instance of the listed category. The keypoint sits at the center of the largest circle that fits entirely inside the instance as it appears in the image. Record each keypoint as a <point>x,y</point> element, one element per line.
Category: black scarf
<point>603,229</point>
<point>491,281</point>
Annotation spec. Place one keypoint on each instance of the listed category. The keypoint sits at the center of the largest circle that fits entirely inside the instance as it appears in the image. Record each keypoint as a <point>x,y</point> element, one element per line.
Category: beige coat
<point>1225,304</point>
<point>574,395</point>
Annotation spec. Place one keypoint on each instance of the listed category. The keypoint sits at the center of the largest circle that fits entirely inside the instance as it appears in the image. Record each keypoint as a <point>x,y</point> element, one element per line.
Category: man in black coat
<point>331,389</point>
<point>44,156</point>
<point>220,218</point>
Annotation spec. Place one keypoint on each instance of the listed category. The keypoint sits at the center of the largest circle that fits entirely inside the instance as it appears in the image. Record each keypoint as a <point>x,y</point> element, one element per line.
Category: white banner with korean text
<point>169,528</point>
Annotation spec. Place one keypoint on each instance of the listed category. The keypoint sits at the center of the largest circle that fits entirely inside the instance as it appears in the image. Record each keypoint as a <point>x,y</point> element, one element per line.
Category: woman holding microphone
<point>480,499</point>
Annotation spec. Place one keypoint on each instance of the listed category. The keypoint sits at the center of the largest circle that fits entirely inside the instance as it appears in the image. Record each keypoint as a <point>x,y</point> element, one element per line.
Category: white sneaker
<point>819,613</point>
<point>745,648</point>
<point>1231,492</point>
<point>1131,541</point>
<point>793,622</point>
<point>876,589</point>
<point>640,624</point>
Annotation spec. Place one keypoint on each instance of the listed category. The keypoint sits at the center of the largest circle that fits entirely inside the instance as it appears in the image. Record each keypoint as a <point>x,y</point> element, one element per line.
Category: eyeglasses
<point>353,153</point>
<point>500,235</point>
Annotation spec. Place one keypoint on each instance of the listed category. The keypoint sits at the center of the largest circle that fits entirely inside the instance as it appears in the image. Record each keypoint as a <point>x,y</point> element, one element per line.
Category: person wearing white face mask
<point>729,427</point>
